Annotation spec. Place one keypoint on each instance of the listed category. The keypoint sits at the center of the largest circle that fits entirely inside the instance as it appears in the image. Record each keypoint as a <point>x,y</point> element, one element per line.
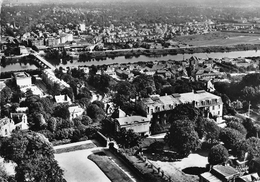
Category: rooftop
<point>21,74</point>
<point>225,171</point>
<point>129,120</point>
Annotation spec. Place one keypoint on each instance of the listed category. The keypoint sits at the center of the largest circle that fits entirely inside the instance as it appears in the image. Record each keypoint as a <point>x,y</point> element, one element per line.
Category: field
<point>220,39</point>
<point>73,159</point>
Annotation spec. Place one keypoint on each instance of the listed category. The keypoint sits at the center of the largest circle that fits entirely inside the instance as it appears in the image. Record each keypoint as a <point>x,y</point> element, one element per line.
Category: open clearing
<point>78,168</point>
<point>219,39</point>
<point>76,165</point>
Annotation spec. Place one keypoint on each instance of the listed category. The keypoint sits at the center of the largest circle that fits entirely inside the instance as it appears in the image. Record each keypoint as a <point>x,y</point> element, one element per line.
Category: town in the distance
<point>130,91</point>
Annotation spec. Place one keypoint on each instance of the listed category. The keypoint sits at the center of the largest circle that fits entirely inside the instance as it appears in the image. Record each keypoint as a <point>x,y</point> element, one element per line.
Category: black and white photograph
<point>129,90</point>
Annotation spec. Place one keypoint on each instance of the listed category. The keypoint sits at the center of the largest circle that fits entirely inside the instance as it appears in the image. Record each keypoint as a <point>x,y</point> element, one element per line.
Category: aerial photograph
<point>130,91</point>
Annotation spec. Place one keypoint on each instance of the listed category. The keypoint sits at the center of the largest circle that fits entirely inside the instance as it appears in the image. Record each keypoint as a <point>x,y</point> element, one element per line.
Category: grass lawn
<point>219,38</point>
<point>78,168</point>
<point>113,172</point>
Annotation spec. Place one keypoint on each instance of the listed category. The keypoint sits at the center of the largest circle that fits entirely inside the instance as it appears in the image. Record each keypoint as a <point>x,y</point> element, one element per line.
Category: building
<point>75,112</point>
<point>62,99</point>
<point>6,126</point>
<point>35,90</point>
<point>82,26</point>
<point>138,124</point>
<point>49,77</point>
<point>249,178</point>
<point>200,99</point>
<point>22,79</point>
<point>2,85</point>
<point>18,121</point>
<point>220,173</point>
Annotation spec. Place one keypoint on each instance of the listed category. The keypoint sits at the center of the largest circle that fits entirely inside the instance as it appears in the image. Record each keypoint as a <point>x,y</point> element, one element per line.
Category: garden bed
<point>113,172</point>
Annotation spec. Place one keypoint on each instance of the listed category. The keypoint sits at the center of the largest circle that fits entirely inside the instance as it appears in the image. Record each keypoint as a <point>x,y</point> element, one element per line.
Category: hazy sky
<point>224,2</point>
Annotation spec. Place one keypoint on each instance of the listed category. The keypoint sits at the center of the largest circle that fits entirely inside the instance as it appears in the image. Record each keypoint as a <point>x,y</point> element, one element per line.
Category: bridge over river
<point>43,62</point>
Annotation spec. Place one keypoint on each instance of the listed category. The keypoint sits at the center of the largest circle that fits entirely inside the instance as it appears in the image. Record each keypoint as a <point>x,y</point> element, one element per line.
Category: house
<point>21,109</point>
<point>200,99</point>
<point>220,173</point>
<point>35,90</point>
<point>138,124</point>
<point>75,111</point>
<point>254,177</point>
<point>6,126</point>
<point>20,121</point>
<point>22,79</point>
<point>17,121</point>
<point>2,85</point>
<point>62,99</point>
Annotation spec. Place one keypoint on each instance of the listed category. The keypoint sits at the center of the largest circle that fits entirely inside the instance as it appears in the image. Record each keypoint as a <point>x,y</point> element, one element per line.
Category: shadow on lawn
<point>194,170</point>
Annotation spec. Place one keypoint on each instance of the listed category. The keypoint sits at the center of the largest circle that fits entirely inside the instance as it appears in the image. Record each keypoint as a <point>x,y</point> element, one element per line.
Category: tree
<point>230,137</point>
<point>125,92</point>
<point>62,111</point>
<point>254,146</point>
<point>108,126</point>
<point>218,154</point>
<point>237,126</point>
<point>128,138</point>
<point>34,156</point>
<point>212,131</point>
<point>144,84</point>
<point>184,111</point>
<point>182,137</point>
<point>6,94</point>
<point>94,110</point>
<point>240,148</point>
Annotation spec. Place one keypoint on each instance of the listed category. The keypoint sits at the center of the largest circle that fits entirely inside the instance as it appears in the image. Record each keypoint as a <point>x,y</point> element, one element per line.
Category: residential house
<point>20,121</point>
<point>138,124</point>
<point>6,126</point>
<point>2,85</point>
<point>62,99</point>
<point>200,99</point>
<point>254,177</point>
<point>75,111</point>
<point>220,173</point>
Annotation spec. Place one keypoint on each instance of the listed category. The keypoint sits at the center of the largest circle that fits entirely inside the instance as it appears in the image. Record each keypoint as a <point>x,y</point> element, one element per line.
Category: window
<point>218,112</point>
<point>213,107</point>
<point>219,106</point>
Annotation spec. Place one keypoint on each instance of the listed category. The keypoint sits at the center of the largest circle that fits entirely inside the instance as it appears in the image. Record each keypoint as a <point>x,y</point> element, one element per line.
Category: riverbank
<point>136,52</point>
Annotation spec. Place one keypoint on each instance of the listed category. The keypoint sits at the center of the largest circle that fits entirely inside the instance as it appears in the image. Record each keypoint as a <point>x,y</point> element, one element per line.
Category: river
<point>122,59</point>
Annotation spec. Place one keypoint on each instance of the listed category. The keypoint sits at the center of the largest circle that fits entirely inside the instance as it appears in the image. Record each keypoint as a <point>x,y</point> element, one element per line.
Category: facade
<point>200,99</point>
<point>22,79</point>
<point>49,77</point>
